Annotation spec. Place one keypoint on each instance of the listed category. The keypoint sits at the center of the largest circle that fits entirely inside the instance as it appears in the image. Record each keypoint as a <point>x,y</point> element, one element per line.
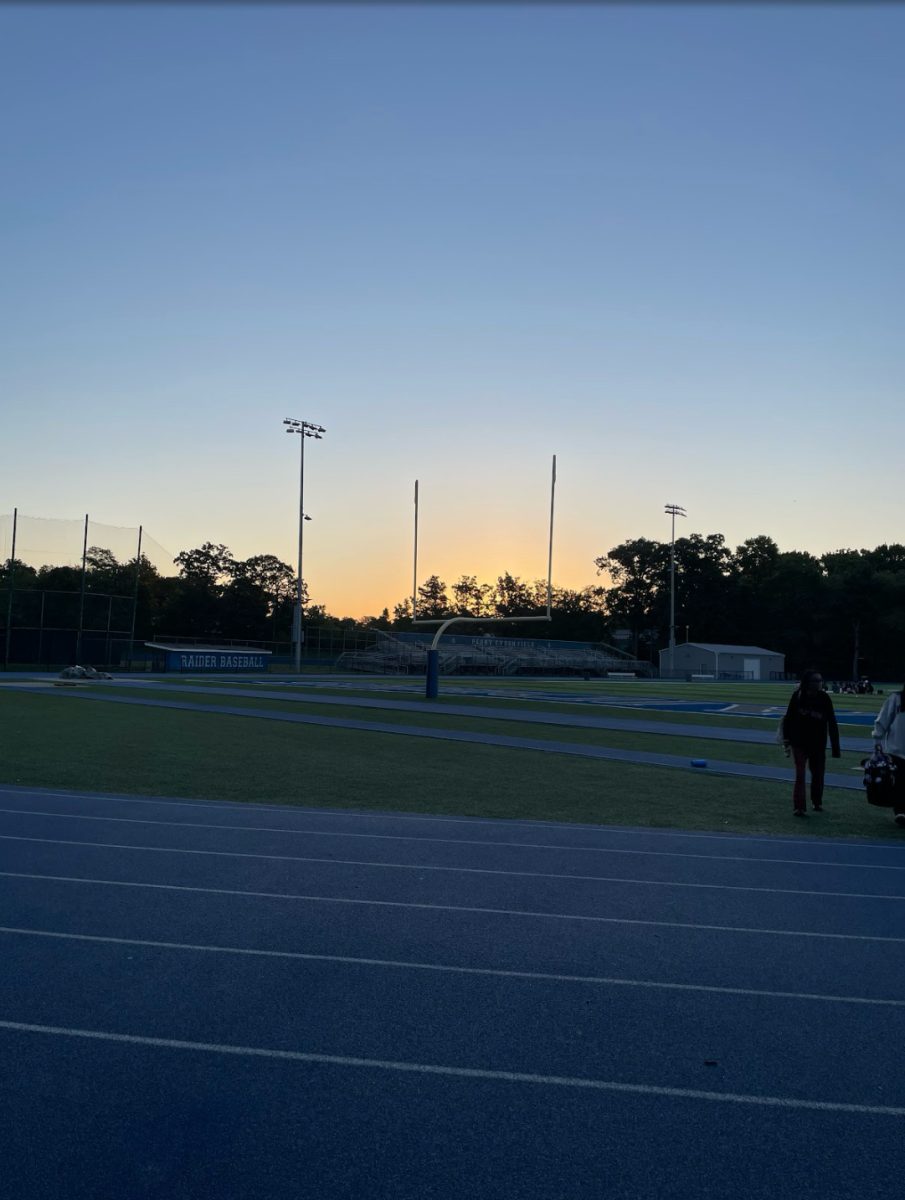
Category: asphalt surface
<point>241,1001</point>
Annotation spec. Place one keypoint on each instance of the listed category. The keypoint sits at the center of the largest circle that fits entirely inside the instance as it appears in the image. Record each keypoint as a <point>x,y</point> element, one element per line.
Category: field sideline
<point>62,742</point>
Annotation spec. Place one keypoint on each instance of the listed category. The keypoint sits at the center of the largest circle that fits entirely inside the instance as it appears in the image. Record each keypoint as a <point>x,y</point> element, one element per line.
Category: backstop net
<point>55,542</point>
<point>67,590</point>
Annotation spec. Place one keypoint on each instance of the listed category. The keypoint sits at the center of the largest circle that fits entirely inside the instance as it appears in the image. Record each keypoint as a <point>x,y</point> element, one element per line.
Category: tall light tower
<point>674,510</point>
<point>305,429</point>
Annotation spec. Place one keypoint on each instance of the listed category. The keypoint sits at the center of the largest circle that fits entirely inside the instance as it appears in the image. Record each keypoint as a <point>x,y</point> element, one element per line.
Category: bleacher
<point>406,654</point>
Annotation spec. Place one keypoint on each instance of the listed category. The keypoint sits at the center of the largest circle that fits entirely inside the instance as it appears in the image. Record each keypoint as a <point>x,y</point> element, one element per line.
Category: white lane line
<point>455,908</point>
<point>392,866</point>
<point>493,972</point>
<point>380,1064</point>
<point>490,823</point>
<point>392,837</point>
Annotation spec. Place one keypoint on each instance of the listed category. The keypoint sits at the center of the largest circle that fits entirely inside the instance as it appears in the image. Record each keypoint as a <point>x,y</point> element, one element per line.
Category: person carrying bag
<point>889,738</point>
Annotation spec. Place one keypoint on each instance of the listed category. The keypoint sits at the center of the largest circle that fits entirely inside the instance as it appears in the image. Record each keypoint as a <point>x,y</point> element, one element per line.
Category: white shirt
<point>888,730</point>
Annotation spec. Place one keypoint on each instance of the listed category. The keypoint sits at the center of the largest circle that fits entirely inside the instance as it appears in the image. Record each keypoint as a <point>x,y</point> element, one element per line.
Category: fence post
<point>135,599</point>
<point>41,630</point>
<point>78,638</point>
<point>109,620</point>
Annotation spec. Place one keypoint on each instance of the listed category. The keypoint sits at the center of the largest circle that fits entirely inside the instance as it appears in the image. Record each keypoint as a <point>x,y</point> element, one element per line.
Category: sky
<point>664,243</point>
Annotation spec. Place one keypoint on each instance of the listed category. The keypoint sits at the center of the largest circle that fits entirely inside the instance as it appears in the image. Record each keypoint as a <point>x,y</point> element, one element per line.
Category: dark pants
<point>816,760</point>
<point>898,796</point>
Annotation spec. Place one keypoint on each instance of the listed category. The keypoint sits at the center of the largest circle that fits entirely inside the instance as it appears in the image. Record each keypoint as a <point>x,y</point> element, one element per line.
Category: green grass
<point>766,694</point>
<point>69,743</point>
<point>562,708</point>
<point>659,743</point>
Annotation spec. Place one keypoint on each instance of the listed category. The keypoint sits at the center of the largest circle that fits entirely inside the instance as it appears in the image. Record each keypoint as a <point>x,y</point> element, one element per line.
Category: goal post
<point>432,683</point>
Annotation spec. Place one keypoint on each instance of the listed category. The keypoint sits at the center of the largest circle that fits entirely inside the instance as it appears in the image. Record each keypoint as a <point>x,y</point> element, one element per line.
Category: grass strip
<point>659,743</point>
<point>147,751</point>
<point>402,688</point>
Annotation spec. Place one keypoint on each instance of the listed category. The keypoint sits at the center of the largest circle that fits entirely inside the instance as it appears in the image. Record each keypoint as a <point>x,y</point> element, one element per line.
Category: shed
<point>229,659</point>
<point>721,661</point>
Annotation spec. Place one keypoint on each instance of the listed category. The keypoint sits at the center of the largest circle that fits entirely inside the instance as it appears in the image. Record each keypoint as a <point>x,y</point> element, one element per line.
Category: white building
<point>722,662</point>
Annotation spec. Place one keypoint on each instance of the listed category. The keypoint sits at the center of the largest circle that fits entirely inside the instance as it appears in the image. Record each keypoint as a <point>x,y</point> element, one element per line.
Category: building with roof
<point>716,660</point>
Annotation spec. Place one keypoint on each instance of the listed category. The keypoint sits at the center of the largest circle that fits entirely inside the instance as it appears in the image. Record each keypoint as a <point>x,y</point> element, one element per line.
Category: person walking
<point>809,718</point>
<point>889,736</point>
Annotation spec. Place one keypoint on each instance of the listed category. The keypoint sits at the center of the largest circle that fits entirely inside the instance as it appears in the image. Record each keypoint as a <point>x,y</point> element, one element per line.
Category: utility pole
<point>674,510</point>
<point>305,429</point>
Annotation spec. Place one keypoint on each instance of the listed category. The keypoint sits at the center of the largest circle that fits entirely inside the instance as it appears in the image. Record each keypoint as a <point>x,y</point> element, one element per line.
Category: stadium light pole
<point>674,510</point>
<point>305,429</point>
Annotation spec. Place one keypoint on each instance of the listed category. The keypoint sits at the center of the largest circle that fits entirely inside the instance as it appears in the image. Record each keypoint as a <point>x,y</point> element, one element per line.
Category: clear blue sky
<point>665,243</point>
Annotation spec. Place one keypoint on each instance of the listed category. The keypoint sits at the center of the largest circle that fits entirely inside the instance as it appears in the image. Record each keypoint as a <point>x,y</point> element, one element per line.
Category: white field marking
<point>455,908</point>
<point>380,1064</point>
<point>402,837</point>
<point>357,862</point>
<point>485,822</point>
<point>496,973</point>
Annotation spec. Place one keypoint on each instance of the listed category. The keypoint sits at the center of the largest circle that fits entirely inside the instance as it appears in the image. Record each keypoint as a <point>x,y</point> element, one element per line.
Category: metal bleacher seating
<point>391,655</point>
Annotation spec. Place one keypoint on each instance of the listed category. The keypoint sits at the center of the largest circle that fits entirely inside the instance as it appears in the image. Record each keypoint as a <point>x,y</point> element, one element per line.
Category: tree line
<point>844,611</point>
<point>213,595</point>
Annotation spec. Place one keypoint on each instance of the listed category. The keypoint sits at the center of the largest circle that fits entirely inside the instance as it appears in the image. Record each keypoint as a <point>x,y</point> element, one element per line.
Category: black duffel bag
<point>879,779</point>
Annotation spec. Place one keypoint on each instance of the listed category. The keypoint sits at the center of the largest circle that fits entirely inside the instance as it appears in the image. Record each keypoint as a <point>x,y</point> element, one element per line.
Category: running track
<point>241,1001</point>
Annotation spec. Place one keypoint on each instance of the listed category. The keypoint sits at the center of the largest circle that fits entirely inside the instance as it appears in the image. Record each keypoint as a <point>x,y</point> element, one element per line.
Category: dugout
<point>225,660</point>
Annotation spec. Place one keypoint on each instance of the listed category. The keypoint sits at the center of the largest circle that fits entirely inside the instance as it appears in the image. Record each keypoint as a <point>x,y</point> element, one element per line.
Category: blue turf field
<point>212,1000</point>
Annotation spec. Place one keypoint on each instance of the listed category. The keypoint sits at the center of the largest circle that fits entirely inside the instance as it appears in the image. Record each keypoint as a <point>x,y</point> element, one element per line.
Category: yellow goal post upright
<point>432,683</point>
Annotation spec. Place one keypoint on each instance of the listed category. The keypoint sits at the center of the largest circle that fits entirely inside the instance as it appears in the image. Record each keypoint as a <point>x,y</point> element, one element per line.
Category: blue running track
<point>245,1002</point>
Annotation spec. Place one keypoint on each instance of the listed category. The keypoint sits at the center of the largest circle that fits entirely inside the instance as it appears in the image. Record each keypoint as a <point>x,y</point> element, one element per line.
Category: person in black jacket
<point>809,717</point>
